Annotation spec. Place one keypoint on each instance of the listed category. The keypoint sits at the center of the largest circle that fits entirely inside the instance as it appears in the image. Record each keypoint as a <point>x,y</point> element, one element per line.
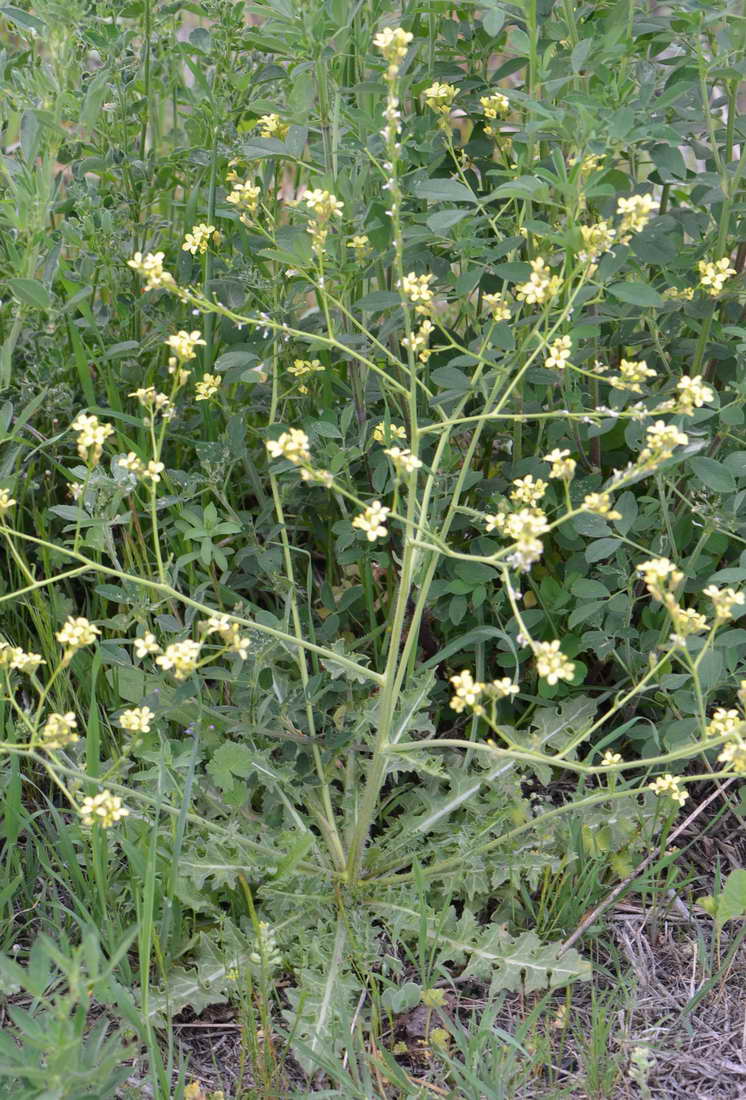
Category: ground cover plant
<point>373,511</point>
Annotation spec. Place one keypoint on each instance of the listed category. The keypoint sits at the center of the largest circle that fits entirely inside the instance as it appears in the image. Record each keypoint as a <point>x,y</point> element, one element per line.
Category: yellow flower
<point>183,343</point>
<point>59,731</point>
<point>152,270</point>
<point>541,286</point>
<point>692,394</point>
<point>16,659</point>
<point>104,809</point>
<point>659,573</point>
<point>324,206</point>
<point>661,440</point>
<point>440,97</point>
<point>563,467</point>
<point>417,289</point>
<point>182,657</point>
<point>76,633</point>
<point>292,445</point>
<point>131,462</point>
<point>150,398</point>
<point>498,305</point>
<point>229,632</point>
<point>138,719</point>
<point>360,244</point>
<point>528,490</point>
<point>393,43</point>
<point>600,504</point>
<point>153,471</point>
<point>636,212</point>
<point>92,435</point>
<point>734,753</point>
<point>207,387</point>
<point>610,758</point>
<point>559,353</point>
<point>467,692</point>
<point>395,431</point>
<point>724,600</point>
<point>631,375</point>
<point>503,688</point>
<point>403,460</point>
<point>272,126</point>
<point>372,521</point>
<point>713,276</point>
<point>418,342</point>
<point>551,664</point>
<point>199,238</point>
<point>686,621</point>
<point>670,786</point>
<point>6,502</point>
<point>597,239</point>
<point>146,645</point>
<point>244,196</point>
<point>724,722</point>
<point>494,105</point>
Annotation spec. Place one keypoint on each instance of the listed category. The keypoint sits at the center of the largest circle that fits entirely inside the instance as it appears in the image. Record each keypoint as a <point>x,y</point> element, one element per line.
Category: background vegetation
<point>297,796</point>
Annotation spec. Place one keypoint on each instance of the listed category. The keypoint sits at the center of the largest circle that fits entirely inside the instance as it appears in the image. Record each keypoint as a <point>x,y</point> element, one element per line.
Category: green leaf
<point>229,760</point>
<point>30,292</point>
<point>602,548</point>
<point>24,19</point>
<point>715,475</point>
<point>444,191</point>
<point>636,294</point>
<point>444,219</point>
<point>378,300</point>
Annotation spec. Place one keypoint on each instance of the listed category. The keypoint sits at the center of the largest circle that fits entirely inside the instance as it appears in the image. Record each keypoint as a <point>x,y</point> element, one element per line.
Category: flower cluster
<point>528,490</point>
<point>498,305</point>
<point>292,445</point>
<point>714,275</point>
<point>559,353</point>
<point>597,239</point>
<point>393,43</point>
<point>661,440</point>
<point>152,270</point>
<point>372,521</point>
<point>691,394</point>
<point>104,809</point>
<point>493,107</point>
<point>207,387</point>
<point>360,244</point>
<point>600,504</point>
<point>551,664</point>
<point>522,528</point>
<point>467,692</point>
<point>660,576</point>
<point>156,402</point>
<point>418,290</point>
<point>230,634</point>
<point>404,461</point>
<point>183,343</point>
<point>199,238</point>
<point>724,722</point>
<point>439,98</point>
<point>636,212</point>
<point>563,467</point>
<point>59,731</point>
<point>324,206</point>
<point>151,470</point>
<point>541,286</point>
<point>419,341</point>
<point>18,660</point>
<point>92,435</point>
<point>137,719</point>
<point>395,431</point>
<point>272,126</point>
<point>265,953</point>
<point>670,786</point>
<point>723,601</point>
<point>632,375</point>
<point>182,657</point>
<point>685,621</point>
<point>245,197</point>
<point>680,294</point>
<point>302,367</point>
<point>76,633</point>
